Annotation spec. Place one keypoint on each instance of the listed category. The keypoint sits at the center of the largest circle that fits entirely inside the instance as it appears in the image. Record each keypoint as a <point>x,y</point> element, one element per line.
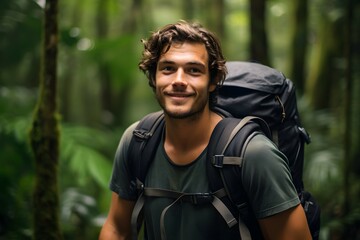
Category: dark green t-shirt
<point>266,180</point>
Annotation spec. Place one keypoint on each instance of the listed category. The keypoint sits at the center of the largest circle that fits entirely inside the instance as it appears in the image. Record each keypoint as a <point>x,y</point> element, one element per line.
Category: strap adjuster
<point>201,198</point>
<point>141,134</point>
<point>218,161</point>
<point>139,185</point>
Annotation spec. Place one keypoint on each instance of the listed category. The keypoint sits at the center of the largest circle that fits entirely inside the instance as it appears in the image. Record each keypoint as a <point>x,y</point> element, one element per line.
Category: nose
<point>179,79</point>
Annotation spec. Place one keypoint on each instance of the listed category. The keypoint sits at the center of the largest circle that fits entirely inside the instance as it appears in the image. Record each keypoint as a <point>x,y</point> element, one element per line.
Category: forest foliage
<point>100,91</point>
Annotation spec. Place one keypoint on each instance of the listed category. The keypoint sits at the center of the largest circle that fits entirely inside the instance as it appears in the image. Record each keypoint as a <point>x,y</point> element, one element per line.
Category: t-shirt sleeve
<point>267,179</point>
<point>120,181</point>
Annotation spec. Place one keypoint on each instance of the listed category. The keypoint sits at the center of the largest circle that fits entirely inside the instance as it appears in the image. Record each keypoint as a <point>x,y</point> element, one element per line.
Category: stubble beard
<point>192,113</point>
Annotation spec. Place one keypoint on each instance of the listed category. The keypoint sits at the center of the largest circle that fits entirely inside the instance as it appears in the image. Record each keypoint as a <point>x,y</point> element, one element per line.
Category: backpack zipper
<point>283,114</point>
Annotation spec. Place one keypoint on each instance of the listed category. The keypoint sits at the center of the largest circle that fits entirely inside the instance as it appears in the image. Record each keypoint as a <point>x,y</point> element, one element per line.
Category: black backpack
<point>254,98</point>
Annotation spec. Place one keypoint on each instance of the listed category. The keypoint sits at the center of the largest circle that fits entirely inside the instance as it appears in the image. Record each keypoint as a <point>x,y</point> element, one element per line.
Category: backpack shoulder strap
<point>225,156</point>
<point>236,133</point>
<point>146,138</point>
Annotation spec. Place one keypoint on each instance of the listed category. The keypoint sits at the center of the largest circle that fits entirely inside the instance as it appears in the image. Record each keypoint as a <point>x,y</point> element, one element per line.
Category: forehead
<point>185,52</point>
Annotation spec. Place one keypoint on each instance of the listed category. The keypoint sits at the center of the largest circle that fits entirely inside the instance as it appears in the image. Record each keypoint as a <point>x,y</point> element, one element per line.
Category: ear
<point>212,87</point>
<point>213,84</point>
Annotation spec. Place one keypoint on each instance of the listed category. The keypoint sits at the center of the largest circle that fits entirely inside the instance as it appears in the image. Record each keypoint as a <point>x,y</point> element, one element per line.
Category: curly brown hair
<point>159,42</point>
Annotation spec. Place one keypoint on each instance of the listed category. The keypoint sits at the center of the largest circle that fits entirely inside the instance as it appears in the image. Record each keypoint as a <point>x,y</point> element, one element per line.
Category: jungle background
<point>97,91</point>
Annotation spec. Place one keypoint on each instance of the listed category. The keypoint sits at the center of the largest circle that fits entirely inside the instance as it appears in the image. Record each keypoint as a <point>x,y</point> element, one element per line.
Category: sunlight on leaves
<point>75,202</point>
<point>88,153</point>
<point>88,164</point>
<point>324,166</point>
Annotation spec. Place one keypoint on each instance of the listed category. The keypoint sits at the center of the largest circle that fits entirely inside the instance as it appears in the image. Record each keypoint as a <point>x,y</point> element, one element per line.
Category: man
<point>184,64</point>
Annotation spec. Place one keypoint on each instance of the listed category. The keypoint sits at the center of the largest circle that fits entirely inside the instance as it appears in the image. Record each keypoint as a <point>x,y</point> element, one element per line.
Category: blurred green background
<point>101,91</point>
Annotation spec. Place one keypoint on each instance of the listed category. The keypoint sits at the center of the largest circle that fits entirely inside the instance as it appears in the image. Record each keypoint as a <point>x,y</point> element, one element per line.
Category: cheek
<point>157,89</point>
<point>158,83</point>
<point>162,79</point>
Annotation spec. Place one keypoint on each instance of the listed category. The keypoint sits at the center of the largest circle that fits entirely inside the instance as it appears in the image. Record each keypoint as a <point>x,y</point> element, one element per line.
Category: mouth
<point>178,94</point>
<point>178,98</point>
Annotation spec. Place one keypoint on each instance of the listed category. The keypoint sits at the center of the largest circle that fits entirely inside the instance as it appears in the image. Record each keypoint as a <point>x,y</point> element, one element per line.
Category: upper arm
<point>290,225</point>
<point>266,179</point>
<point>118,222</point>
<point>122,181</point>
<point>273,198</point>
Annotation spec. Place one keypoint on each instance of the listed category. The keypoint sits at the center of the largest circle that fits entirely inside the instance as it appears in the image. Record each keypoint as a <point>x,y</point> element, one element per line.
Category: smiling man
<point>182,80</point>
<point>184,65</point>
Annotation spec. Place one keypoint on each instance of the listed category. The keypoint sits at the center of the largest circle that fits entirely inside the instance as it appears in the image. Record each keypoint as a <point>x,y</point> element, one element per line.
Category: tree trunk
<point>326,78</point>
<point>324,74</point>
<point>132,23</point>
<point>188,7</point>
<point>347,107</point>
<point>215,20</point>
<point>44,135</point>
<point>350,173</point>
<point>68,80</point>
<point>353,59</point>
<point>299,37</point>
<point>132,20</point>
<point>259,51</point>
<point>104,72</point>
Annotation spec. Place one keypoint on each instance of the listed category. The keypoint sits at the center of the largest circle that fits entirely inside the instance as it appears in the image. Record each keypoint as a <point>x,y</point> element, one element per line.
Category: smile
<point>178,95</point>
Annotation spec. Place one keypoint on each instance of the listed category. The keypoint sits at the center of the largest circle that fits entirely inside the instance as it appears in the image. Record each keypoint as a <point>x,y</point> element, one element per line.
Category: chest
<point>189,178</point>
<point>179,217</point>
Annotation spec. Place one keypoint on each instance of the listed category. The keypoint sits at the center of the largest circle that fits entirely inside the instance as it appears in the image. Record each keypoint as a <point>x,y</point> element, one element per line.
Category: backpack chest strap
<point>194,198</point>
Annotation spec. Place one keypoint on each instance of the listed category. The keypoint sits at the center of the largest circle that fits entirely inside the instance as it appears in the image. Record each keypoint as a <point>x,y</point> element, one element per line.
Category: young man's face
<point>183,80</point>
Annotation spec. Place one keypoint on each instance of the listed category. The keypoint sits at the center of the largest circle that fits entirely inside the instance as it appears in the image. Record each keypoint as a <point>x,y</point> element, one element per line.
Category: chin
<point>177,114</point>
<point>182,114</point>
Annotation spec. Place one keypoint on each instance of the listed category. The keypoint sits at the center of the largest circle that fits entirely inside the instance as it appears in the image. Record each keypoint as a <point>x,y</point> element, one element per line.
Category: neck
<point>186,138</point>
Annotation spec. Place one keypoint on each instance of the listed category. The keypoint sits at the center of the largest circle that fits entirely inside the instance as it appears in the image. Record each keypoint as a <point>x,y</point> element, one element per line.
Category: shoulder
<point>262,151</point>
<point>262,159</point>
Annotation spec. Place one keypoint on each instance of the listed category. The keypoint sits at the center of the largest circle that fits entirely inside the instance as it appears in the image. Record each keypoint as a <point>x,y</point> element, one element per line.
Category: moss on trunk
<point>44,135</point>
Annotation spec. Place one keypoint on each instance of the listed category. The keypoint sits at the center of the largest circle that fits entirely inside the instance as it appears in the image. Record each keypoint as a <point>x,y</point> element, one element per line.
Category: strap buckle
<point>201,198</point>
<point>141,134</point>
<point>139,185</point>
<point>218,161</point>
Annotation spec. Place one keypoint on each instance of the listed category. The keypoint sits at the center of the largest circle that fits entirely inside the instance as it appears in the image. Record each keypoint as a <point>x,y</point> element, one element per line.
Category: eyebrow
<point>165,62</point>
<point>197,63</point>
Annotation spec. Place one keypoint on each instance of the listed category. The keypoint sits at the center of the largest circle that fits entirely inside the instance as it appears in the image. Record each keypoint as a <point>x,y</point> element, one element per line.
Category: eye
<point>167,69</point>
<point>194,71</point>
